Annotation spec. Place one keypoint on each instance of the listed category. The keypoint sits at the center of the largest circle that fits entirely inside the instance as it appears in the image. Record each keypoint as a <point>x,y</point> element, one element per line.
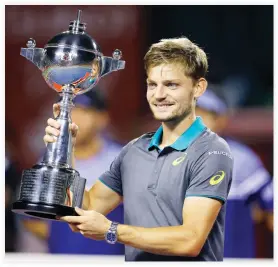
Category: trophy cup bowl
<point>72,64</point>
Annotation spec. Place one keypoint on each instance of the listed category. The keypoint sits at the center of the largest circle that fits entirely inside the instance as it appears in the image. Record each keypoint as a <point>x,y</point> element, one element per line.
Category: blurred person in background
<point>252,188</point>
<point>93,155</point>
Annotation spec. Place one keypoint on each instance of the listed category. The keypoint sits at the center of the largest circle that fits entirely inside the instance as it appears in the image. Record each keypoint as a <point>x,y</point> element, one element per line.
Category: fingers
<point>56,110</point>
<point>51,131</point>
<point>49,139</point>
<point>53,123</point>
<point>79,211</point>
<point>74,129</point>
<point>82,212</point>
<point>74,228</point>
<point>73,219</point>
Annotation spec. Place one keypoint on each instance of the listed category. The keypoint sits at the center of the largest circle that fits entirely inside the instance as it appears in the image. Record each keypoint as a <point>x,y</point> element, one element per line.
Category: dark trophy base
<point>48,192</point>
<point>41,210</point>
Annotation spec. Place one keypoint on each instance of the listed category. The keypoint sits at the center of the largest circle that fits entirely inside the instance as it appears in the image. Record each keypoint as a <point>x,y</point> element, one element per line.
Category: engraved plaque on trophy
<point>72,64</point>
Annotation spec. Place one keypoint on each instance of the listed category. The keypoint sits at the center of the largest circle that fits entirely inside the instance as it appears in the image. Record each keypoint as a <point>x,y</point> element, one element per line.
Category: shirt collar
<point>196,128</point>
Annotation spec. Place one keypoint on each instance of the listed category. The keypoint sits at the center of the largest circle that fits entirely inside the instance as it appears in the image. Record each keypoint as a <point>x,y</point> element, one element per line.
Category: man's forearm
<point>100,198</point>
<point>172,240</point>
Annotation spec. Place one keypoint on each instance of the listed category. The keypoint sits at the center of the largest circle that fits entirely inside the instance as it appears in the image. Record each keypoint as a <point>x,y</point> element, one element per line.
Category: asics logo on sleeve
<point>216,179</point>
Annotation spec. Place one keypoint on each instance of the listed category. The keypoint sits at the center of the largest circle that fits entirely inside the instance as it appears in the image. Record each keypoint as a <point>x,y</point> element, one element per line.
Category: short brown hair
<point>178,50</point>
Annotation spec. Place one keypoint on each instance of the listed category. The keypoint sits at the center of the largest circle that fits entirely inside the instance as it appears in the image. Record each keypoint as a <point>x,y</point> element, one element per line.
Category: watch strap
<point>113,226</point>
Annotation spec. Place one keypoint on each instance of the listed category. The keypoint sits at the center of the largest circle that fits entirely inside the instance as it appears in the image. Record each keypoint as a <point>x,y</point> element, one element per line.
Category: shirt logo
<point>179,160</point>
<point>216,179</point>
<point>220,153</point>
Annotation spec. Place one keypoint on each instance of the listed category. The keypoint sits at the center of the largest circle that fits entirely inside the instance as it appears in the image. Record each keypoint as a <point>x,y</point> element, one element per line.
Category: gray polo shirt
<point>154,184</point>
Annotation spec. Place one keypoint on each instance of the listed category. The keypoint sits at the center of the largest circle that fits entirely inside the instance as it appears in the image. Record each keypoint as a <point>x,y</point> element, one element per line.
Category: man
<point>93,155</point>
<point>174,190</point>
<point>251,183</point>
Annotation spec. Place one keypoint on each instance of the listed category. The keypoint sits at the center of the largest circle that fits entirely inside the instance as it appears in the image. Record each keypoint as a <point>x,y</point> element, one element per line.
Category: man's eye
<point>171,85</point>
<point>151,85</point>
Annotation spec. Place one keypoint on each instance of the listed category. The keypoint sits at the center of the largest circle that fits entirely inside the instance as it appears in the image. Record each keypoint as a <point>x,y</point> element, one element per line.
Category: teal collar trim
<point>196,128</point>
<point>156,139</point>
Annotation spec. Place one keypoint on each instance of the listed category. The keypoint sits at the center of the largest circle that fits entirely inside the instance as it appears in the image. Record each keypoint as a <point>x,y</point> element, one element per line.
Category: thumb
<point>56,110</point>
<point>79,211</point>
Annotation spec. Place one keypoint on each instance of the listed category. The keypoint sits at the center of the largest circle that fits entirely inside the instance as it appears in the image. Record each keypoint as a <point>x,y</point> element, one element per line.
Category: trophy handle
<point>34,55</point>
<point>110,64</point>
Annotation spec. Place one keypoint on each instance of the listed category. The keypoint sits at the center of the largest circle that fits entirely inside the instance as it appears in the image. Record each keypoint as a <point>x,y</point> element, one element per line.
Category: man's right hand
<point>52,130</point>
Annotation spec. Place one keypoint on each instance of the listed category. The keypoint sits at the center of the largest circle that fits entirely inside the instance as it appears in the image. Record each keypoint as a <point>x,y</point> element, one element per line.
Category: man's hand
<point>90,223</point>
<point>52,130</point>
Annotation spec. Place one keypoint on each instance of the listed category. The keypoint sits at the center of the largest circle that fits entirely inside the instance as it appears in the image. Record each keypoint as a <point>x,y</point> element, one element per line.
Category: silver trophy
<point>71,64</point>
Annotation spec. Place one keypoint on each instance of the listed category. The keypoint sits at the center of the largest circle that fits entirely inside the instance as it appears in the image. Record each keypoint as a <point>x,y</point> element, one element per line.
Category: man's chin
<point>172,117</point>
<point>164,118</point>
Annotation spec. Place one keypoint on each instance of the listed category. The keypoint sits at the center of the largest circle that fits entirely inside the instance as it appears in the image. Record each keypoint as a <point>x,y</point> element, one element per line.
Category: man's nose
<point>160,92</point>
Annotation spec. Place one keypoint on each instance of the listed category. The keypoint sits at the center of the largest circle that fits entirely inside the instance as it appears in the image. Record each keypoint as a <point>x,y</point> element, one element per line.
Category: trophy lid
<point>75,37</point>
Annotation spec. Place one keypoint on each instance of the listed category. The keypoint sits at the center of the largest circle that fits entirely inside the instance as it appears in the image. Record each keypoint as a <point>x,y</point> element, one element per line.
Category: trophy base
<point>47,192</point>
<point>42,210</point>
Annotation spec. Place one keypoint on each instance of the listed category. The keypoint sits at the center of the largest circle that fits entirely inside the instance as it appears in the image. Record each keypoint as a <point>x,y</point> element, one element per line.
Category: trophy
<point>71,64</point>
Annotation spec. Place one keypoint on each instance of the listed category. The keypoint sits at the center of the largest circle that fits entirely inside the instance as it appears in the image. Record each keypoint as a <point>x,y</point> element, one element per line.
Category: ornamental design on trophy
<point>71,63</point>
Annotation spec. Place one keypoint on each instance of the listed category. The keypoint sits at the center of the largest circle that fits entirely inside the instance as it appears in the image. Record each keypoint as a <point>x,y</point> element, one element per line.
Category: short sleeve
<point>112,178</point>
<point>211,174</point>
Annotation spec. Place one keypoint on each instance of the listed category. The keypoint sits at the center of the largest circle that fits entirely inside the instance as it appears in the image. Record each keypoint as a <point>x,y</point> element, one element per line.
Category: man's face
<point>169,92</point>
<point>90,122</point>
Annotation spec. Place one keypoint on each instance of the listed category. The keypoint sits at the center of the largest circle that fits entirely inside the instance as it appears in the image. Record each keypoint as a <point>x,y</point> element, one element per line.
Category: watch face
<point>111,238</point>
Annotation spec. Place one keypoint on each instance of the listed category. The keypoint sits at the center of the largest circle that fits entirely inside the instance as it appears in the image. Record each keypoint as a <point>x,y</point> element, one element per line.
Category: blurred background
<point>239,43</point>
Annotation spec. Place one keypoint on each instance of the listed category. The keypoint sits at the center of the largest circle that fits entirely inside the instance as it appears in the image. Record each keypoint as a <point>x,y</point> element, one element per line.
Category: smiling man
<point>174,182</point>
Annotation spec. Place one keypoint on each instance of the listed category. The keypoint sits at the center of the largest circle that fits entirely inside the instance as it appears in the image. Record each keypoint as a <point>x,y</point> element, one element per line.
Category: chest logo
<point>216,179</point>
<point>179,160</point>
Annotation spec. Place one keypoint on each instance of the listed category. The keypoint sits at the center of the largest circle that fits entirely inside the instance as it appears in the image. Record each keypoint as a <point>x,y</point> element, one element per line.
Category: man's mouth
<point>163,104</point>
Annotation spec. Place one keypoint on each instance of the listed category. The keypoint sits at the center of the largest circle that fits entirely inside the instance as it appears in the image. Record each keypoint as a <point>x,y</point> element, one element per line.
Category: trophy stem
<point>59,153</point>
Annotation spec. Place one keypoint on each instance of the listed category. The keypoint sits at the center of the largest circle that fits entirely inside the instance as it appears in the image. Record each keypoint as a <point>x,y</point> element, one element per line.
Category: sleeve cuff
<point>207,194</point>
<point>112,188</point>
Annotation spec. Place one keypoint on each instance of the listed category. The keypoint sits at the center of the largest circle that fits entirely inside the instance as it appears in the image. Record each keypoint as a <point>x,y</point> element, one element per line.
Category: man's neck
<point>88,149</point>
<point>172,131</point>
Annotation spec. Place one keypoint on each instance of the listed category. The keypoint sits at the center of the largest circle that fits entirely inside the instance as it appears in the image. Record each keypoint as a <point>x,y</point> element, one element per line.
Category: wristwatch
<point>111,235</point>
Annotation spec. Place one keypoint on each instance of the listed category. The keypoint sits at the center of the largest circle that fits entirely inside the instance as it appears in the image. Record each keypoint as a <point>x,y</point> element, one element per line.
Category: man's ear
<point>200,87</point>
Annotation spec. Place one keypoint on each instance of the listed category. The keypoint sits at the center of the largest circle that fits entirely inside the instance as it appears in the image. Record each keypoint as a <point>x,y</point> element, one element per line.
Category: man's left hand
<point>90,223</point>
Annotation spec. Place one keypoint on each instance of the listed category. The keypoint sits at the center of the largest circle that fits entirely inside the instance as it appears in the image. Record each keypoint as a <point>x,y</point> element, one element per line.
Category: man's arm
<point>199,215</point>
<point>101,198</point>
